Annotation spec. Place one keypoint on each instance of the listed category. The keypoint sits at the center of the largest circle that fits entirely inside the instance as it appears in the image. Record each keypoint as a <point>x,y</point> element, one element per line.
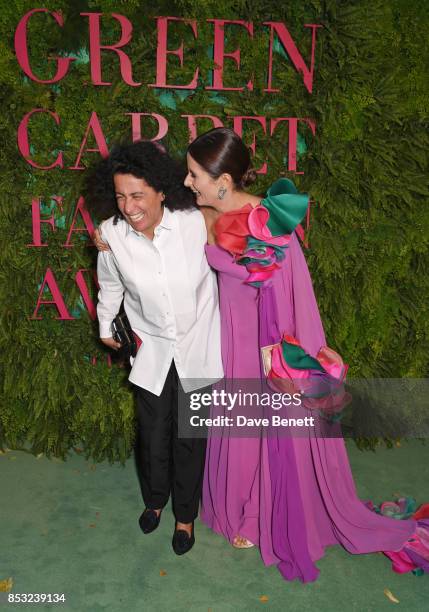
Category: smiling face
<point>139,203</point>
<point>201,183</point>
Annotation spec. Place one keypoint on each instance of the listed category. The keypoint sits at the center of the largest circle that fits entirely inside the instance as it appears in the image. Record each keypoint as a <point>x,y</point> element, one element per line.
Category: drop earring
<point>221,193</point>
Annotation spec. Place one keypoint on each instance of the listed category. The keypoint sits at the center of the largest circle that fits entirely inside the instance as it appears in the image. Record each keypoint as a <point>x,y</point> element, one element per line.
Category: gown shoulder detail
<point>257,236</point>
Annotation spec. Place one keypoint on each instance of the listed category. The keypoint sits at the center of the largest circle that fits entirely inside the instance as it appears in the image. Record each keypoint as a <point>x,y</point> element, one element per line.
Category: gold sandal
<point>241,542</point>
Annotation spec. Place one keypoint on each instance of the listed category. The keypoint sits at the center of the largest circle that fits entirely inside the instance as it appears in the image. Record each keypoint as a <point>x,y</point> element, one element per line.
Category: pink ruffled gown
<point>295,499</point>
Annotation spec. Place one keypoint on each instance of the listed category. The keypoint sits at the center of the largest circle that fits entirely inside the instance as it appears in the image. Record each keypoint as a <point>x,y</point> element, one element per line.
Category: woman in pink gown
<point>290,496</point>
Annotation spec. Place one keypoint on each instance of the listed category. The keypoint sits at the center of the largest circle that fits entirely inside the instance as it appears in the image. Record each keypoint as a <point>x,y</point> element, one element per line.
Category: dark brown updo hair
<point>221,150</point>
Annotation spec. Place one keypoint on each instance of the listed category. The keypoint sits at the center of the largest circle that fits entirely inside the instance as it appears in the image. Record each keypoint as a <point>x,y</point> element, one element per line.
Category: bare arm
<point>210,215</point>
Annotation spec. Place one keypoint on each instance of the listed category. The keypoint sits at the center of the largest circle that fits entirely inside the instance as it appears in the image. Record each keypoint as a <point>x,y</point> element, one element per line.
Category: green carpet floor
<point>71,527</point>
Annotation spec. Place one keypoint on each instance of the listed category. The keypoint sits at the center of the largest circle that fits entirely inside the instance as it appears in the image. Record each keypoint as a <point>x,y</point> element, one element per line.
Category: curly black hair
<point>143,159</point>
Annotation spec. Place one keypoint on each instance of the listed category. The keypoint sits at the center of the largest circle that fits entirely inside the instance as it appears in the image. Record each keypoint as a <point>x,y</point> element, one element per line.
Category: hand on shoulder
<point>98,240</point>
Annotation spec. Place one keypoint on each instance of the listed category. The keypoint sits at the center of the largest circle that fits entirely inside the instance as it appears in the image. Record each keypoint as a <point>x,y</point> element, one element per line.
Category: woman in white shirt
<point>156,264</point>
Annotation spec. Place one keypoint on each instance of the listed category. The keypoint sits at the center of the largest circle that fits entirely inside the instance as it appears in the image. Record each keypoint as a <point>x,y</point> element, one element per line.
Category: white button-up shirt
<point>170,297</point>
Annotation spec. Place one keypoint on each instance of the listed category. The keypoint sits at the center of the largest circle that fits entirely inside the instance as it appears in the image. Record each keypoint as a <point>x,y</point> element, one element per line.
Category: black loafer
<point>183,542</point>
<point>149,520</point>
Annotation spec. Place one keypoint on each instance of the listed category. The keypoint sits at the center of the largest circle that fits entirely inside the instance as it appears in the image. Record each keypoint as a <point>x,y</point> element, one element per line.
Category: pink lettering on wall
<point>24,143</point>
<point>162,53</point>
<point>238,128</point>
<point>281,31</point>
<point>219,53</point>
<point>136,128</point>
<point>226,54</point>
<point>293,137</point>
<point>108,358</point>
<point>57,300</point>
<point>278,30</point>
<point>95,48</point>
<point>95,127</point>
<point>84,290</point>
<point>21,48</point>
<point>37,220</point>
<point>192,123</point>
<point>86,217</point>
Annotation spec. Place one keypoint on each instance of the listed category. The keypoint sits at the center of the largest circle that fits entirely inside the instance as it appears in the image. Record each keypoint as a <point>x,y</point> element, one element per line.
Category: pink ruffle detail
<point>419,542</point>
<point>401,562</point>
<point>280,369</point>
<point>414,554</point>
<point>332,363</point>
<point>422,512</point>
<point>257,221</point>
<point>327,357</point>
<point>261,275</point>
<point>285,378</point>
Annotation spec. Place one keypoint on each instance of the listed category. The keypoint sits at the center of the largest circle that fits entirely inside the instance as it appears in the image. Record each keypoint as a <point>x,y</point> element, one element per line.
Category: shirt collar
<point>164,224</point>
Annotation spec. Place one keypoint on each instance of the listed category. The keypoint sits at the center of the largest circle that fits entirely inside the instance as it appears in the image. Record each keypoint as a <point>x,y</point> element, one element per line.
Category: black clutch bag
<point>122,333</point>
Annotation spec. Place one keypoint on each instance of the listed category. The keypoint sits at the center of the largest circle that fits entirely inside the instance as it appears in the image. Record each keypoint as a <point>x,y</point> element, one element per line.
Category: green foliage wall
<point>365,169</point>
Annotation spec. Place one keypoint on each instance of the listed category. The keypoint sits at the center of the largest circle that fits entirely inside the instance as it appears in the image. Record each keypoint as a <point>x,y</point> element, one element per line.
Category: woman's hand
<point>99,243</point>
<point>111,343</point>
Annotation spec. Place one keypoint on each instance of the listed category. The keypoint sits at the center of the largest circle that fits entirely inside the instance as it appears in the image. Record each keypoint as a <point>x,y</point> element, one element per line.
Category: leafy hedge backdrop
<point>365,170</point>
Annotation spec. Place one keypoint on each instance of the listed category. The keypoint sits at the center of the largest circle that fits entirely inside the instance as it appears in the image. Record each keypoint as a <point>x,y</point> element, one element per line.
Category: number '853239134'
<point>36,597</point>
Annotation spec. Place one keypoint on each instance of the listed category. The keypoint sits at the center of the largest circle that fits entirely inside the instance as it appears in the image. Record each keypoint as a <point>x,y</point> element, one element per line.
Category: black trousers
<point>164,462</point>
